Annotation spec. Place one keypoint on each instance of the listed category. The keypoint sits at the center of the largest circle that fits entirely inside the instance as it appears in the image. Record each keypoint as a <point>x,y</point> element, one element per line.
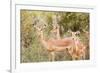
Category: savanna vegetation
<point>32,49</point>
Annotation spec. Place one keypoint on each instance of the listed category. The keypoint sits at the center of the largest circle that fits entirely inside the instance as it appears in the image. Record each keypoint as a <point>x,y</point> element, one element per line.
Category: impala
<point>54,45</point>
<point>79,51</point>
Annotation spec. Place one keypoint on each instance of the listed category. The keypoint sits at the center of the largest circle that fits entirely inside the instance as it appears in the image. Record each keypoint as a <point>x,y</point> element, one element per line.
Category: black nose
<point>33,24</point>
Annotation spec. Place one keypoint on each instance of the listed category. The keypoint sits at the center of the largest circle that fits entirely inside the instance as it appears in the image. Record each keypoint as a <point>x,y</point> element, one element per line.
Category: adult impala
<point>79,51</point>
<point>54,45</point>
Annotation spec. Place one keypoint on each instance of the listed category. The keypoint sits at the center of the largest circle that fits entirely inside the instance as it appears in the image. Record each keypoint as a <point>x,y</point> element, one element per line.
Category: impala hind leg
<point>68,55</point>
<point>73,57</point>
<point>84,56</point>
<point>49,56</point>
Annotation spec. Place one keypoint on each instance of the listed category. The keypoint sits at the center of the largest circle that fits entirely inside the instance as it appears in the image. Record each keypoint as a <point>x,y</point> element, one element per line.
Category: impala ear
<point>33,24</point>
<point>78,32</point>
<point>44,26</point>
<point>69,31</point>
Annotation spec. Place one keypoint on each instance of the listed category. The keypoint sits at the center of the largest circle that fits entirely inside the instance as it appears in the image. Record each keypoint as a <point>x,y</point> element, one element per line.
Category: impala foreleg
<point>52,56</point>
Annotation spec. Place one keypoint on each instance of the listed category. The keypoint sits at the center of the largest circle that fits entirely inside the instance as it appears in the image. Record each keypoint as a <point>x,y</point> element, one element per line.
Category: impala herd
<point>71,45</point>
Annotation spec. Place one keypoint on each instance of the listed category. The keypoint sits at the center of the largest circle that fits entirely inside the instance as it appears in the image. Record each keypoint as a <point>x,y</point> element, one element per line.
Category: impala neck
<point>43,40</point>
<point>58,33</point>
<point>41,35</point>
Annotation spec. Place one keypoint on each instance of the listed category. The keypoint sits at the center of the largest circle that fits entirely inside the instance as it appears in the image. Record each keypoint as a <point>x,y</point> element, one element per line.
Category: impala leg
<point>85,53</point>
<point>73,57</point>
<point>49,56</point>
<point>83,57</point>
<point>72,53</point>
<point>53,56</point>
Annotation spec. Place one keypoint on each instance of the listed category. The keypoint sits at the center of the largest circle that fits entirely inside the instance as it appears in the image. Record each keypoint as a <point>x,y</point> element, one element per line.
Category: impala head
<point>74,34</point>
<point>38,30</point>
<point>55,29</point>
<point>39,24</point>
